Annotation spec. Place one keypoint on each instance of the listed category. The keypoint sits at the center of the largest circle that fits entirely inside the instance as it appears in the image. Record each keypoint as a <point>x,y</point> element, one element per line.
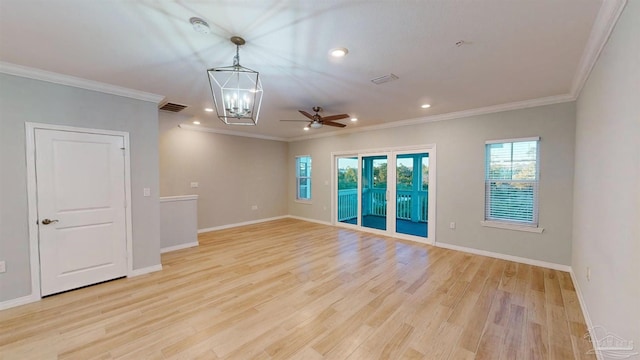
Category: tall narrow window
<point>511,181</point>
<point>303,177</point>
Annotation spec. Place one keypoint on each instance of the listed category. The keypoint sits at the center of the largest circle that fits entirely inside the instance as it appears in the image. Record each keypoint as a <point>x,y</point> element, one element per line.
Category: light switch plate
<point>147,191</point>
<point>3,266</point>
<point>194,184</point>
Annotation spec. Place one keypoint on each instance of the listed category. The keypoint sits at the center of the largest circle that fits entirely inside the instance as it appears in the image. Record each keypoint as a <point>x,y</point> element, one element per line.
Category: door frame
<point>32,196</point>
<point>393,151</point>
<point>391,208</point>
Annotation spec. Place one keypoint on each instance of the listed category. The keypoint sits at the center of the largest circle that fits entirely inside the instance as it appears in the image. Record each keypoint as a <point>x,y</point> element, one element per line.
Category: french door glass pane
<point>374,192</point>
<point>348,189</point>
<point>412,194</point>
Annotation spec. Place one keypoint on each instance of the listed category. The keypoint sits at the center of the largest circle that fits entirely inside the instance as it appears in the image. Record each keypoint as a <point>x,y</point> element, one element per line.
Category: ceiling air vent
<point>383,79</point>
<point>173,107</point>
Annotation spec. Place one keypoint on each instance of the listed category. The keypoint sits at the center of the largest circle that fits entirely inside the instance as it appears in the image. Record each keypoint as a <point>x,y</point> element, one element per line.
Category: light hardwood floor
<point>293,289</point>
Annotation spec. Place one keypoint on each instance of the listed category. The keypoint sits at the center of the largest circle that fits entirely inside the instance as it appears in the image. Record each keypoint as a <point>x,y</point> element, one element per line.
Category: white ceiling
<point>514,51</point>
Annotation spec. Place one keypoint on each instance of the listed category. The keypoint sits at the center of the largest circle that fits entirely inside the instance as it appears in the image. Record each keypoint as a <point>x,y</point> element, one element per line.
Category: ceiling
<point>513,51</point>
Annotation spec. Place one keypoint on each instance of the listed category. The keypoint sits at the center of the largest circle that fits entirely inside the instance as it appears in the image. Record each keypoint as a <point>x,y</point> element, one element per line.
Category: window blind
<point>511,181</point>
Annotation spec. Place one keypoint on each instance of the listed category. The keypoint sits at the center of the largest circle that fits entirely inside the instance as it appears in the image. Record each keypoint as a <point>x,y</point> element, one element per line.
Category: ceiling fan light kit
<point>236,91</point>
<point>316,121</point>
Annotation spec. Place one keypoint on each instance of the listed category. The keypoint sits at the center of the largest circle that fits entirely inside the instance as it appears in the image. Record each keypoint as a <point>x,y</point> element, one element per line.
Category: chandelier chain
<point>236,59</point>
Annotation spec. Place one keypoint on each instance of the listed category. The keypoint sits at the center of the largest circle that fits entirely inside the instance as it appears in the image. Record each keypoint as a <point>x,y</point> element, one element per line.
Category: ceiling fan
<point>318,121</point>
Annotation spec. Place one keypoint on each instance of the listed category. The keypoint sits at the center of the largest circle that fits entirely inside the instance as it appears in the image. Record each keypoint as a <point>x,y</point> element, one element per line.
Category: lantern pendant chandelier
<point>236,90</point>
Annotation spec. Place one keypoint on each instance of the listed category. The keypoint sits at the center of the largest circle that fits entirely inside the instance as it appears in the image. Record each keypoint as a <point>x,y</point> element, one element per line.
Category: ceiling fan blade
<point>331,123</point>
<point>296,120</point>
<point>306,114</point>
<point>335,117</point>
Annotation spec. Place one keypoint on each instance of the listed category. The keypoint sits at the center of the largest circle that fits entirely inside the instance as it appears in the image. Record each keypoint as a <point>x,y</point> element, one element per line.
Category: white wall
<point>27,100</point>
<point>460,176</point>
<point>234,173</point>
<point>606,223</point>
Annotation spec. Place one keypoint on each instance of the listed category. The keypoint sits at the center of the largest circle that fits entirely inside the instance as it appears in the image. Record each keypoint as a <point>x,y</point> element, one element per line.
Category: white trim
<point>145,270</point>
<point>179,247</point>
<point>397,235</point>
<point>398,149</point>
<point>298,199</point>
<point>45,126</point>
<point>500,225</point>
<point>500,141</point>
<point>518,259</point>
<point>604,24</point>
<point>585,312</point>
<point>128,197</point>
<point>32,205</point>
<point>310,220</point>
<point>68,80</point>
<point>229,226</point>
<point>34,249</point>
<point>19,301</point>
<point>230,132</point>
<point>413,238</point>
<point>550,100</point>
<point>448,116</point>
<point>178,198</point>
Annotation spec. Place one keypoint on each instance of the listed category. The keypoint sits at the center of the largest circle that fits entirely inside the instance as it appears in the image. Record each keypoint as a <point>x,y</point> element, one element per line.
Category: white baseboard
<point>585,312</point>
<point>518,259</point>
<point>228,226</point>
<point>146,270</point>
<point>179,247</point>
<point>310,220</point>
<point>33,297</point>
<point>19,301</point>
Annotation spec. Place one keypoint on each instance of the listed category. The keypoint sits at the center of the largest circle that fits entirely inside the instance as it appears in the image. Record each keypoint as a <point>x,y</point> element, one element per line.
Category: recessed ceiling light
<point>354,119</point>
<point>306,128</point>
<point>208,109</point>
<point>425,106</point>
<point>339,52</point>
<point>196,122</point>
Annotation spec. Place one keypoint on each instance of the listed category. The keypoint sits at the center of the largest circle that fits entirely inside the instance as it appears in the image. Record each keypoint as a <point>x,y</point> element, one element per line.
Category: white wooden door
<point>81,208</point>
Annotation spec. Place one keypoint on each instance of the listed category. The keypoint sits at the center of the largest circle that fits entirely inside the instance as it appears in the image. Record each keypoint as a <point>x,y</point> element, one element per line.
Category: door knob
<point>48,221</point>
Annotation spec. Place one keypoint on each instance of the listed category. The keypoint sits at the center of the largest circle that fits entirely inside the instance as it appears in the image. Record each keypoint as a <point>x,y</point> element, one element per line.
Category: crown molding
<point>448,116</point>
<point>68,80</point>
<point>605,21</point>
<point>230,132</point>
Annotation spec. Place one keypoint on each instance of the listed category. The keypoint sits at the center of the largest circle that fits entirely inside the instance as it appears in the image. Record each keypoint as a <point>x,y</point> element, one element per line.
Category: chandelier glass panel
<point>236,90</point>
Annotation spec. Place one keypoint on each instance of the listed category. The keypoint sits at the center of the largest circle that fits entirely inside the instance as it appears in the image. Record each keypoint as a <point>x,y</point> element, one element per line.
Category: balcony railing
<point>374,204</point>
<point>412,205</point>
<point>347,204</point>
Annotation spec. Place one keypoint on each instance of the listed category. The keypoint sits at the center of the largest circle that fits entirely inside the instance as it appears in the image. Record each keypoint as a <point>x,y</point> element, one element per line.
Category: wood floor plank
<point>552,287</point>
<point>537,342</point>
<point>513,345</point>
<point>289,289</point>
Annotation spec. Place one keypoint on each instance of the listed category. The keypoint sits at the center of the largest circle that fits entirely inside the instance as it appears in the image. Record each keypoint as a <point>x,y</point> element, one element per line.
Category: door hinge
<point>123,151</point>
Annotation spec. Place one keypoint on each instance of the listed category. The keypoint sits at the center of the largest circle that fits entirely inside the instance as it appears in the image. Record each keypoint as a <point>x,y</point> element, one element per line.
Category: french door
<point>387,192</point>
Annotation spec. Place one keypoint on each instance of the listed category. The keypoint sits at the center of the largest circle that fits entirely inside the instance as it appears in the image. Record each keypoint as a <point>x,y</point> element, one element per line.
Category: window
<point>303,177</point>
<point>511,181</point>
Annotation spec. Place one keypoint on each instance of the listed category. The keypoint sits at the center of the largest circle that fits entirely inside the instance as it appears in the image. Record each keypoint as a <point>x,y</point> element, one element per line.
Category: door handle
<point>48,221</point>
